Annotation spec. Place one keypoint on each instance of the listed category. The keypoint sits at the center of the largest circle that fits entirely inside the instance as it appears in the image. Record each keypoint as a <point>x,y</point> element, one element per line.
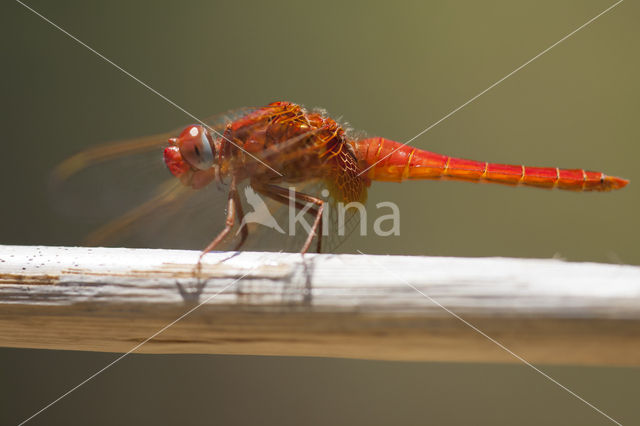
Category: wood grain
<point>356,306</point>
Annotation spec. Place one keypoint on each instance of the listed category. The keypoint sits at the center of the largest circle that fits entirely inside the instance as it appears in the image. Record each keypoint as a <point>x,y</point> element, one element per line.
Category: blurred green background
<point>391,69</point>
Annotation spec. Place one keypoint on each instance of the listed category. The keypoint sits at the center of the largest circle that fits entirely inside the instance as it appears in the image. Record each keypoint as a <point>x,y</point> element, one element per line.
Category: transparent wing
<point>121,150</point>
<point>123,191</point>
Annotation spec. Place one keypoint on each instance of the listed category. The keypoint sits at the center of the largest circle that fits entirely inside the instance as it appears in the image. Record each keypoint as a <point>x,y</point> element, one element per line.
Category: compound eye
<point>195,147</point>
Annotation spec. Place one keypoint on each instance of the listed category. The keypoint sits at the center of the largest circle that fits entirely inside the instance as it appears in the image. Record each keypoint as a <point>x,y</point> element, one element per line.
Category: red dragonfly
<point>284,144</point>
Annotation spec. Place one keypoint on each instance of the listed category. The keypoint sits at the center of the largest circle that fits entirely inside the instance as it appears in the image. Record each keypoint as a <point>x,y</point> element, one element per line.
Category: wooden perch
<point>356,306</point>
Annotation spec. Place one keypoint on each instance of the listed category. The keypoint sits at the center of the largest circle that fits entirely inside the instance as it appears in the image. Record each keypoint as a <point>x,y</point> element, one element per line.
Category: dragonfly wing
<point>134,201</point>
<point>124,191</point>
<point>125,148</point>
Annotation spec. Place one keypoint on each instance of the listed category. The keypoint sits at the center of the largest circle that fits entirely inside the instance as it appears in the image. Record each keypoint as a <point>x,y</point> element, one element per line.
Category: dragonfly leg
<point>300,200</point>
<point>244,231</point>
<point>317,222</point>
<point>229,222</point>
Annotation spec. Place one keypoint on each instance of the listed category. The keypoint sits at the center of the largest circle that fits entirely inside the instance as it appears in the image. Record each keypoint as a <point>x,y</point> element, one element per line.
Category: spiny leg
<point>232,202</point>
<point>317,223</point>
<point>244,231</point>
<point>229,222</point>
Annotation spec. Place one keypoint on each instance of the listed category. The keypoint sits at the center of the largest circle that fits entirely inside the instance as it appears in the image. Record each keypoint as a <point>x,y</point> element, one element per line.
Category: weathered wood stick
<point>356,306</point>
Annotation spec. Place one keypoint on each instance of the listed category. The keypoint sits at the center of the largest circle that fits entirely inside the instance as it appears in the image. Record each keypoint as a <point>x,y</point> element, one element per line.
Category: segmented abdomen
<point>392,161</point>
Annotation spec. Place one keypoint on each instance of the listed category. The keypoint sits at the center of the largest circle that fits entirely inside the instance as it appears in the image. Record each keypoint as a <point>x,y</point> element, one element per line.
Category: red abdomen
<point>392,161</point>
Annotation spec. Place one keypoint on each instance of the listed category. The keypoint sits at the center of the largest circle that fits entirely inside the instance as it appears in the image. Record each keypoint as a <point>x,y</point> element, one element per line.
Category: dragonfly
<point>282,148</point>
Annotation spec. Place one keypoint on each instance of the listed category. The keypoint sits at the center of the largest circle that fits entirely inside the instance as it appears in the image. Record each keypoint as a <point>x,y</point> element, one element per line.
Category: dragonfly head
<point>191,156</point>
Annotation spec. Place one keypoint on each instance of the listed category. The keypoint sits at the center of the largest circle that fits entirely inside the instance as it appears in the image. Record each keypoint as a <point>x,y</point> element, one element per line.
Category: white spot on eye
<point>193,131</point>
